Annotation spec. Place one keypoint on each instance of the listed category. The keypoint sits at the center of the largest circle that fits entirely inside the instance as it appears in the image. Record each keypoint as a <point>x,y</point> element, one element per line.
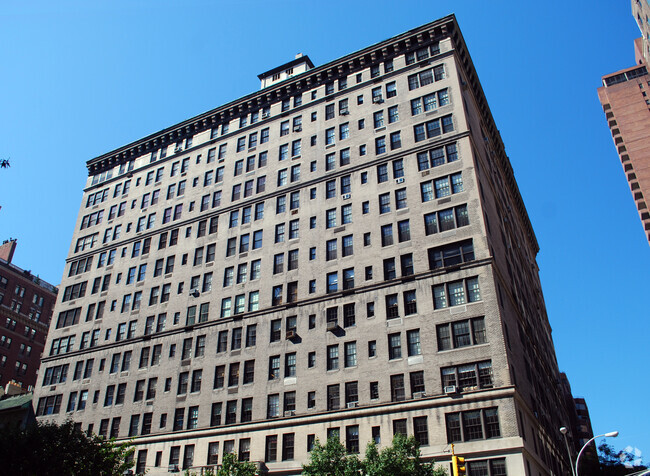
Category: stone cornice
<point>329,72</point>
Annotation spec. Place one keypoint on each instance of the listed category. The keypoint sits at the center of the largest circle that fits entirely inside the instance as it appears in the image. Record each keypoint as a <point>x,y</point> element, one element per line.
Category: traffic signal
<point>458,465</point>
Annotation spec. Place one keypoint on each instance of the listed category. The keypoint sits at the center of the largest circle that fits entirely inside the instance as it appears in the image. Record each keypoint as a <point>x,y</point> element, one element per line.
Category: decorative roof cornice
<point>328,72</point>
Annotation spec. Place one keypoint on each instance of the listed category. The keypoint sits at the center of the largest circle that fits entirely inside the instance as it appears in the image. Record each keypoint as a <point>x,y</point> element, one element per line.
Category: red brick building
<point>625,97</point>
<point>26,304</point>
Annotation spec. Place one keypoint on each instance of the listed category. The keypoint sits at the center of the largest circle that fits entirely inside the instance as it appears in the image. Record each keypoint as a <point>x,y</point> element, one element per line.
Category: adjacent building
<point>342,253</point>
<point>26,304</point>
<point>625,101</point>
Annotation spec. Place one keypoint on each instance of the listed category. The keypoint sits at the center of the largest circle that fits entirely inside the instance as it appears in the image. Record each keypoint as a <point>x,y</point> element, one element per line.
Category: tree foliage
<point>45,449</point>
<point>617,463</point>
<point>230,466</point>
<point>331,459</point>
<point>400,459</point>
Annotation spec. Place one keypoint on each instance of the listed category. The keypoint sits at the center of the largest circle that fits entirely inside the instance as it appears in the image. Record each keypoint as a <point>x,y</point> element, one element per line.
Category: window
<point>378,119</point>
<point>374,390</point>
<point>288,446</point>
<point>451,254</point>
<point>445,220</point>
<point>273,406</point>
<point>330,221</point>
<point>468,377</point>
<point>395,140</point>
<point>421,431</point>
<point>403,231</point>
<point>397,388</point>
<point>429,102</point>
<point>386,235</point>
<point>456,293</point>
<point>391,89</point>
<point>329,111</point>
<point>330,135</point>
<point>350,354</point>
<point>352,438</point>
<point>290,365</point>
<point>461,333</point>
<point>384,203</point>
<point>400,198</point>
<point>344,131</point>
<point>413,341</point>
<point>332,282</point>
<point>410,303</point>
<point>389,271</point>
<point>441,187</point>
<point>472,425</point>
<point>293,229</point>
<point>333,357</point>
<point>433,128</point>
<point>428,76</point>
<point>333,397</point>
<point>394,346</point>
<point>393,114</point>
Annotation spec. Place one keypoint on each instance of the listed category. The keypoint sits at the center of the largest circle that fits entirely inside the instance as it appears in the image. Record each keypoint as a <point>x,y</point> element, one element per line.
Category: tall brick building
<point>26,304</point>
<point>344,252</point>
<point>625,101</point>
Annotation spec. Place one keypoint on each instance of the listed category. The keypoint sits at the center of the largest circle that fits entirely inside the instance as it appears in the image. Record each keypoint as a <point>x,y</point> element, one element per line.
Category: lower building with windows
<point>26,304</point>
<point>344,252</point>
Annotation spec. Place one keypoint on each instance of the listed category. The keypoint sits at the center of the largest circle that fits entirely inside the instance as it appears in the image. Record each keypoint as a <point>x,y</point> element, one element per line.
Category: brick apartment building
<point>625,101</point>
<point>26,304</point>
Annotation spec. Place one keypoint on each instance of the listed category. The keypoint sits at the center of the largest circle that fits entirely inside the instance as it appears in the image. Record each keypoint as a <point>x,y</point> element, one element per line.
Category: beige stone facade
<point>345,251</point>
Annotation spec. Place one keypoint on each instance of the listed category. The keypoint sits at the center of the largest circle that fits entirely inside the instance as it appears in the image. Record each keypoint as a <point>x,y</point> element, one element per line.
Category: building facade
<point>26,305</point>
<point>344,252</point>
<point>625,102</point>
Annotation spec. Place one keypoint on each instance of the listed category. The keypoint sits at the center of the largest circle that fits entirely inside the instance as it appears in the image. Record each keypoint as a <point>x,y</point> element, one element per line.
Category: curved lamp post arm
<point>610,434</point>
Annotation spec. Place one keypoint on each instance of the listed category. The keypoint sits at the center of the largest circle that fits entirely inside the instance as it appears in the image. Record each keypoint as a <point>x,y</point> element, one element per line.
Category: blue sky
<point>82,78</point>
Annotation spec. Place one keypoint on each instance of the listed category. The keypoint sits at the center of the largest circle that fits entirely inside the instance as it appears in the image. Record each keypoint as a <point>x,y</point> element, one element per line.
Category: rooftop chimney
<point>7,249</point>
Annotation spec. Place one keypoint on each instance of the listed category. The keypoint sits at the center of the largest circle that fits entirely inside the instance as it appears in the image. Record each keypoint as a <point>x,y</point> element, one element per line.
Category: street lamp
<point>563,430</point>
<point>611,434</point>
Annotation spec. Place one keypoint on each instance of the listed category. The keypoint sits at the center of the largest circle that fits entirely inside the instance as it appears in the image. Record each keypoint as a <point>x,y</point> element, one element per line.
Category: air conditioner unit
<point>266,115</point>
<point>331,325</point>
<point>172,468</point>
<point>291,334</point>
<point>297,129</point>
<point>419,394</point>
<point>294,212</point>
<point>377,100</point>
<point>352,404</point>
<point>289,413</point>
<point>344,112</point>
<point>399,180</point>
<point>450,389</point>
<point>346,196</point>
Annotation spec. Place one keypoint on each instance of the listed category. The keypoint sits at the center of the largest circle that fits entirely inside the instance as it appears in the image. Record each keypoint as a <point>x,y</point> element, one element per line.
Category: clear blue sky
<point>82,78</point>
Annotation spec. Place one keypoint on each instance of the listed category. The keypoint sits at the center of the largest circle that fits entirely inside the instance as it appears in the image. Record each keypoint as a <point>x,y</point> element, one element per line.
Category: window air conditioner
<point>399,180</point>
<point>450,389</point>
<point>297,129</point>
<point>419,394</point>
<point>291,334</point>
<point>331,325</point>
<point>344,112</point>
<point>377,100</point>
<point>352,404</point>
<point>289,413</point>
<point>346,196</point>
